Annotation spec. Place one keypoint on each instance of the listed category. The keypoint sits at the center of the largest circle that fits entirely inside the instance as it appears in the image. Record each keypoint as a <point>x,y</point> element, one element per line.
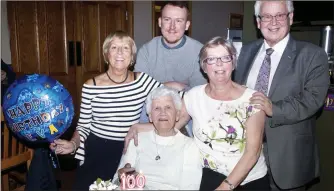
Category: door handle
<point>78,49</point>
<point>71,53</point>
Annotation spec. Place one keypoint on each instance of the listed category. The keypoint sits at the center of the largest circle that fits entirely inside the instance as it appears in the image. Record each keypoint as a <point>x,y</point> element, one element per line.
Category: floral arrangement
<point>99,184</point>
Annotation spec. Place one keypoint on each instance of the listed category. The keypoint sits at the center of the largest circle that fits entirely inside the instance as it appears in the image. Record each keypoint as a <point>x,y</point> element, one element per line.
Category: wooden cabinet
<point>64,39</point>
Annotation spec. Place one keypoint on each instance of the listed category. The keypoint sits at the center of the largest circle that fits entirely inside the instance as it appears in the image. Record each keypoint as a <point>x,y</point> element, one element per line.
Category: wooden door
<point>23,20</point>
<point>59,31</point>
<point>96,21</point>
<point>64,39</point>
<point>40,32</point>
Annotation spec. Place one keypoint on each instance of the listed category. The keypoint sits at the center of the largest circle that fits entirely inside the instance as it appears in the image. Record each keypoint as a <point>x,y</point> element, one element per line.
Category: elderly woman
<point>168,159</point>
<point>111,103</point>
<point>227,129</point>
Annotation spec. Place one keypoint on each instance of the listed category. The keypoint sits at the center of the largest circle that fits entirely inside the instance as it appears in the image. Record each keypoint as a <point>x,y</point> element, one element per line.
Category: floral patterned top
<point>219,130</point>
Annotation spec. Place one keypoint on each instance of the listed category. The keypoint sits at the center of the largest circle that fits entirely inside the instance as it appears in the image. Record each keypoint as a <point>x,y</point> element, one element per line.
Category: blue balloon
<point>38,108</point>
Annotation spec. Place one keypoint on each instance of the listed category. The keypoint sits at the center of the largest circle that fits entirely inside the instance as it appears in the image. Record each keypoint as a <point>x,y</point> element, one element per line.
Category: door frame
<point>129,6</point>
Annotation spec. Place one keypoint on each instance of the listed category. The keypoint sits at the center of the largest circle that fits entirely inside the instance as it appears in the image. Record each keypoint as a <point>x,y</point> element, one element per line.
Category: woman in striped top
<point>111,103</point>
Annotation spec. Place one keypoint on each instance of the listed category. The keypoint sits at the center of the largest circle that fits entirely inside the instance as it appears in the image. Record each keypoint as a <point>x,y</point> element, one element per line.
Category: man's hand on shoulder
<point>262,102</point>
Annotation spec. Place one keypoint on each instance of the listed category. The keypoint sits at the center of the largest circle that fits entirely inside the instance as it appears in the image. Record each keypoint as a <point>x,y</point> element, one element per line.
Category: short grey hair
<point>123,36</point>
<point>214,42</point>
<point>160,92</point>
<point>257,7</point>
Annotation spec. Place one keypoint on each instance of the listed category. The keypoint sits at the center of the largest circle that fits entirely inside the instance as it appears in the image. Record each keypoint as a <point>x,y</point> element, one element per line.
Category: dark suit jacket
<point>298,91</point>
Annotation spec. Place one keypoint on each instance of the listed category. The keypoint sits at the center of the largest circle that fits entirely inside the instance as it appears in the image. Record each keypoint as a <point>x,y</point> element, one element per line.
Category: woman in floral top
<point>227,129</point>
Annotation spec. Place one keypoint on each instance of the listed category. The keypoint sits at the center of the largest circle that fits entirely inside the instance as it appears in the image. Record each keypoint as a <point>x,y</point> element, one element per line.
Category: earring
<point>131,64</point>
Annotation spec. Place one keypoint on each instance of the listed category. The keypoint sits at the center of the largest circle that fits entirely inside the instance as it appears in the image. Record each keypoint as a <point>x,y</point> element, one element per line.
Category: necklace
<point>126,77</point>
<point>156,145</point>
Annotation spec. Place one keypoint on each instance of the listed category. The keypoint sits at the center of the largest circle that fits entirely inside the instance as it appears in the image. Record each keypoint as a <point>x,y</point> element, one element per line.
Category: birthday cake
<point>99,184</point>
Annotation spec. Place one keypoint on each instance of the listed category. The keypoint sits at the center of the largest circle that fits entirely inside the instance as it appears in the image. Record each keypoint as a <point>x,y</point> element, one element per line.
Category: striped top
<point>109,111</point>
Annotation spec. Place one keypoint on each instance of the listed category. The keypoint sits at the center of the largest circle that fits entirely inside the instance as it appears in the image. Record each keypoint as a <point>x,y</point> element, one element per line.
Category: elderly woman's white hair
<point>257,7</point>
<point>160,92</point>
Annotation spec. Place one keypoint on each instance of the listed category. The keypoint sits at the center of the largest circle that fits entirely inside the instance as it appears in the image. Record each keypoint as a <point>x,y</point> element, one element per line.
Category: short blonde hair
<point>214,42</point>
<point>123,36</point>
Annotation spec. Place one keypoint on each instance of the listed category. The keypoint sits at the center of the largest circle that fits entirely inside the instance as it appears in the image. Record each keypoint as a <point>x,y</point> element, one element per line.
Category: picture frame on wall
<point>236,21</point>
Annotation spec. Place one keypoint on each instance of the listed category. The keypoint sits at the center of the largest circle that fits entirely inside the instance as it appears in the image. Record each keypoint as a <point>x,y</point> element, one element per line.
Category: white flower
<point>103,185</point>
<point>112,187</point>
<point>93,187</point>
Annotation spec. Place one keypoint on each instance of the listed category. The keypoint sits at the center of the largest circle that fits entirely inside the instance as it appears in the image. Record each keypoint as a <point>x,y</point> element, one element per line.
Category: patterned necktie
<point>262,81</point>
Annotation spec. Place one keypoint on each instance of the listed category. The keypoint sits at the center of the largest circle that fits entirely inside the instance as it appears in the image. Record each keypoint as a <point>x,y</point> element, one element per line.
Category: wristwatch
<point>231,185</point>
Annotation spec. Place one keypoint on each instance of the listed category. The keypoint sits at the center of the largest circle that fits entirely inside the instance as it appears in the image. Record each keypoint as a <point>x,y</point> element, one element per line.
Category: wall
<point>209,19</point>
<point>142,14</point>
<point>309,36</point>
<point>249,27</point>
<point>5,48</point>
<point>212,18</point>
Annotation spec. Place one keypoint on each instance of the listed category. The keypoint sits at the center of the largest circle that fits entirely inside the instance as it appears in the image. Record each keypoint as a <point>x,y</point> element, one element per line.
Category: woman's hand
<point>63,147</point>
<point>132,134</point>
<point>127,169</point>
<point>123,174</point>
<point>223,186</point>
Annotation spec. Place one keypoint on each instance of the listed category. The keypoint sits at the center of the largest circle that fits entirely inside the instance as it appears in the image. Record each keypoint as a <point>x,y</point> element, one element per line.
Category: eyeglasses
<point>214,60</point>
<point>268,18</point>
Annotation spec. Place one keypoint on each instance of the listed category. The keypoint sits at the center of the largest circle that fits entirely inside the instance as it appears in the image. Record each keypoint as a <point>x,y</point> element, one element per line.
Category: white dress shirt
<point>275,58</point>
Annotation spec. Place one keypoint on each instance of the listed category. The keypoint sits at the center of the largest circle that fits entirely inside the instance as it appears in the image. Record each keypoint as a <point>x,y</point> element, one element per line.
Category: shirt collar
<point>183,41</point>
<point>280,46</point>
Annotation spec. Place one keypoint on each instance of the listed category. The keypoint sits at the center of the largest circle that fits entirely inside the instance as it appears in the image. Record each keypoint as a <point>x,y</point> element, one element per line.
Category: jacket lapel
<point>284,65</point>
<point>252,55</point>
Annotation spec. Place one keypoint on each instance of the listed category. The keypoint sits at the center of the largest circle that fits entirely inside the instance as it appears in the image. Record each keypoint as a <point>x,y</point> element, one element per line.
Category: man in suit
<point>292,80</point>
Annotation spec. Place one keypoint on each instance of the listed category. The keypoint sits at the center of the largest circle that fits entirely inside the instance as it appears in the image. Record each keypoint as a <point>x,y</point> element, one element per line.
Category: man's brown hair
<point>181,4</point>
